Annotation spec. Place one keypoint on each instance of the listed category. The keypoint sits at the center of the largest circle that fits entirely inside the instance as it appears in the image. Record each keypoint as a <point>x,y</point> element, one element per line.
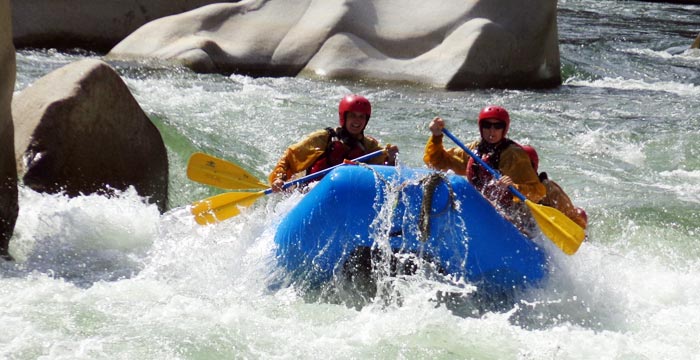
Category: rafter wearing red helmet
<point>329,147</point>
<point>556,197</point>
<point>495,149</point>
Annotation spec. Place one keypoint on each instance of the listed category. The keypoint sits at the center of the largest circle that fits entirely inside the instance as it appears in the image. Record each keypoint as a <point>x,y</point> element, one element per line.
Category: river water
<point>99,278</point>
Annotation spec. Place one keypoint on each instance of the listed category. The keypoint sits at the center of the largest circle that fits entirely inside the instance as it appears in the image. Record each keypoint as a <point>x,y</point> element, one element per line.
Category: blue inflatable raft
<point>416,211</point>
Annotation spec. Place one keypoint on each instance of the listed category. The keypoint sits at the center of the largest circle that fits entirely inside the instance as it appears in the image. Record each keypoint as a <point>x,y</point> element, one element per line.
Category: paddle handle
<point>319,174</point>
<point>482,163</point>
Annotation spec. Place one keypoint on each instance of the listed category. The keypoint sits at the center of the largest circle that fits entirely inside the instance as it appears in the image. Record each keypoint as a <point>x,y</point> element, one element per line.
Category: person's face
<point>355,122</point>
<point>492,130</point>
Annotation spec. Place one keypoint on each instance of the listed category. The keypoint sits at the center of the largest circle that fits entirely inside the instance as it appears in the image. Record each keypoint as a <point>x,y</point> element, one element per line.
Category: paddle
<point>220,173</point>
<point>561,230</point>
<point>227,205</point>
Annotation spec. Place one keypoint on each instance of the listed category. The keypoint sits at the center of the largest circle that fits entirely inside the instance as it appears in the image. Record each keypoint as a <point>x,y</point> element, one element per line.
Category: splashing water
<point>99,277</point>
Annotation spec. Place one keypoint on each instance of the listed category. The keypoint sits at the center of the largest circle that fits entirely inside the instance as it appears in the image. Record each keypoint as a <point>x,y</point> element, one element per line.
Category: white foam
<point>682,89</point>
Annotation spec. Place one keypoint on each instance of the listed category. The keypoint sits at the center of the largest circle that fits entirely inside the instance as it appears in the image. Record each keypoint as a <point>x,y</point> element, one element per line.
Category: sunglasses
<point>493,125</point>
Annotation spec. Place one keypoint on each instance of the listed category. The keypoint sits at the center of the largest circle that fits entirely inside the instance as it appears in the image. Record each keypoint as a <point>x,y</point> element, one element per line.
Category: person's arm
<point>282,171</point>
<point>516,164</point>
<point>300,156</point>
<point>435,155</point>
<point>388,156</point>
<point>439,158</point>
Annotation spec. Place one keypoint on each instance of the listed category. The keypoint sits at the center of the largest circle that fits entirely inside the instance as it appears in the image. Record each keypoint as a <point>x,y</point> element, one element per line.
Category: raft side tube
<point>466,236</point>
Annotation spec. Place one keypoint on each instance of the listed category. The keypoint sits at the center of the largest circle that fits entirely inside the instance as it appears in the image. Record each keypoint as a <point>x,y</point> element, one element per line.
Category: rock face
<point>80,131</point>
<point>8,173</point>
<point>88,24</point>
<point>696,43</point>
<point>452,44</point>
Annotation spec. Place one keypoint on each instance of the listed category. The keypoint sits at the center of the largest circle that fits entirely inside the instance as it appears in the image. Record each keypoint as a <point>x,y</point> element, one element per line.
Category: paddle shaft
<point>561,230</point>
<point>482,163</point>
<point>326,171</point>
<point>223,206</point>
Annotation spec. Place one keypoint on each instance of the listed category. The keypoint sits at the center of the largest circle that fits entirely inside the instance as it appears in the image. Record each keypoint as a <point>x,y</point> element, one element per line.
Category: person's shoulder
<point>515,154</point>
<point>513,149</point>
<point>552,186</point>
<point>315,138</point>
<point>513,146</point>
<point>370,140</point>
<point>321,133</point>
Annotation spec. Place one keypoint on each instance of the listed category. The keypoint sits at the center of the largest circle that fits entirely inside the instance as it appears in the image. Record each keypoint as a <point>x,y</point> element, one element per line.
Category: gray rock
<point>451,44</point>
<point>80,131</point>
<point>8,172</point>
<point>88,24</point>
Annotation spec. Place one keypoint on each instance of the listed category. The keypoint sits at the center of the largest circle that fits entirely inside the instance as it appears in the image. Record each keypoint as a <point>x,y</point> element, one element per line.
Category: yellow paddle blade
<point>223,206</point>
<point>213,171</point>
<point>561,230</point>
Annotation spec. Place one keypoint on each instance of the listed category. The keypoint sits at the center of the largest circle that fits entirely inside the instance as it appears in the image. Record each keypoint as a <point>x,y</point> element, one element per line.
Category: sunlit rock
<point>88,24</point>
<point>451,44</point>
<point>8,172</point>
<point>78,130</point>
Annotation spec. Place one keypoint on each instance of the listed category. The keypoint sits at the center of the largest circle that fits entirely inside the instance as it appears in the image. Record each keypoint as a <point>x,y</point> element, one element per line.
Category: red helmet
<point>357,103</point>
<point>582,213</point>
<point>532,153</point>
<point>495,112</point>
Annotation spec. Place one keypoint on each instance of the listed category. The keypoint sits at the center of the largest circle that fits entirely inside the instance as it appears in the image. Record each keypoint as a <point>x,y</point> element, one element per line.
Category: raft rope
<point>430,184</point>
